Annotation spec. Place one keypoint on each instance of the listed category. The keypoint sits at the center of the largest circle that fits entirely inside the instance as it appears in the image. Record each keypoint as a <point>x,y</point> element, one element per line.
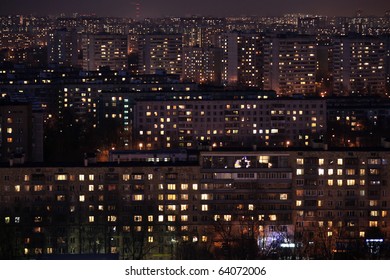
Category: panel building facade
<point>231,204</point>
<point>226,119</point>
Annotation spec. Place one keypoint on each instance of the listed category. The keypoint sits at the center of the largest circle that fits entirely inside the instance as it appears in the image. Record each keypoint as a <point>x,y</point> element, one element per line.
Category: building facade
<point>242,59</point>
<point>62,47</point>
<point>290,64</point>
<point>104,50</point>
<point>160,52</point>
<point>359,65</point>
<point>226,119</point>
<point>310,203</point>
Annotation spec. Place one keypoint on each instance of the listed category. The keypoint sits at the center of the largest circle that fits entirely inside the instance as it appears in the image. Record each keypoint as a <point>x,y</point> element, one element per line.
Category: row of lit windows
<point>341,161</point>
<point>90,177</point>
<point>340,172</point>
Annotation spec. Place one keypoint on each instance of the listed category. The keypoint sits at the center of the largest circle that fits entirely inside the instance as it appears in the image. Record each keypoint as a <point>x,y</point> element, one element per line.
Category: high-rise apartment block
<point>160,52</point>
<point>359,65</point>
<point>104,50</point>
<point>15,131</point>
<point>242,59</point>
<point>290,64</point>
<point>202,65</point>
<point>62,47</point>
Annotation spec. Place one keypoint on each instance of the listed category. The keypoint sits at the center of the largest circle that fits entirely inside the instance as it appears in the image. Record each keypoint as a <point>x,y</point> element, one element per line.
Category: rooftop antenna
<point>138,10</point>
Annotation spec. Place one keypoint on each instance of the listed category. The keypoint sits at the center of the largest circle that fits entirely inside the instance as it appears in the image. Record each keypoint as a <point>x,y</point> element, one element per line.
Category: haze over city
<point>153,8</point>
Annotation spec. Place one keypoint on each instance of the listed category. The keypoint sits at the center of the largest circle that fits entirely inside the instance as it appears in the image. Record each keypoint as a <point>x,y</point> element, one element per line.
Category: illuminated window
<point>82,198</point>
<point>91,219</point>
<point>171,186</point>
<point>150,239</point>
<point>300,171</point>
<point>205,207</point>
<point>330,182</point>
<point>161,218</point>
<point>195,187</point>
<point>227,218</point>
<point>340,161</point>
<point>374,213</point>
<point>362,234</point>
<point>350,172</point>
<point>261,217</point>
<point>61,198</point>
<point>298,203</point>
<point>138,197</point>
<point>171,197</point>
<point>91,188</point>
<point>184,207</point>
<point>340,183</point>
<point>351,182</point>
<point>373,223</point>
<point>339,172</point>
<point>300,161</point>
<point>81,177</point>
<point>184,187</point>
<point>272,217</point>
<point>373,203</point>
<point>111,218</point>
<point>91,177</point>
<point>251,207</point>
<point>61,177</point>
<point>137,218</point>
<point>283,196</point>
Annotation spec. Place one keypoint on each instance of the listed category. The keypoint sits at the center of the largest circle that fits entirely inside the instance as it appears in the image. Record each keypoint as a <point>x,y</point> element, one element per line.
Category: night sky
<point>159,8</point>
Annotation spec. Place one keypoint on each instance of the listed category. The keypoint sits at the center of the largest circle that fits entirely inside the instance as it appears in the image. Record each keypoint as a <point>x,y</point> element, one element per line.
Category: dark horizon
<point>156,9</point>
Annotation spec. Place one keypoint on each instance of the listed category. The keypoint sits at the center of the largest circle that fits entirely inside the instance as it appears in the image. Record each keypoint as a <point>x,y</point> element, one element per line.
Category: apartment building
<point>160,52</point>
<point>359,65</point>
<point>290,64</point>
<point>104,50</point>
<point>314,203</point>
<point>242,59</point>
<point>226,119</point>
